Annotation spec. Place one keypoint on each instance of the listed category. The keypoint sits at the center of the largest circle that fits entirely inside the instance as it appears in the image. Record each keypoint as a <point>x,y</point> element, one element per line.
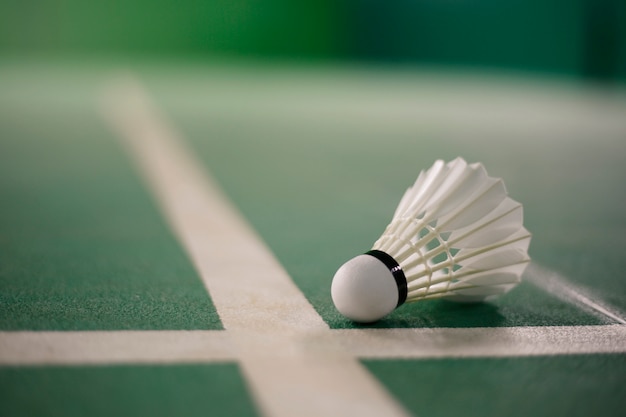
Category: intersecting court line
<point>294,364</point>
<point>214,346</point>
<point>269,320</point>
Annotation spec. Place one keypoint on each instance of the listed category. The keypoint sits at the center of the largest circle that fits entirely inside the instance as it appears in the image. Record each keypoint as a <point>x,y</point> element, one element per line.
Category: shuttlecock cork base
<point>369,287</point>
<point>455,235</point>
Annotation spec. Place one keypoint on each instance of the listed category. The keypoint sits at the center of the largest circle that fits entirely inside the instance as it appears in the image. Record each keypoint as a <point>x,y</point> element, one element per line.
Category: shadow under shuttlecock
<point>441,313</point>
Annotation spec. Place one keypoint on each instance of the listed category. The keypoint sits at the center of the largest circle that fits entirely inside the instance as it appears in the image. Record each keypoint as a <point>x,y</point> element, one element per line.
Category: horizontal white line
<point>114,347</point>
<point>208,346</point>
<point>458,105</point>
<point>483,342</point>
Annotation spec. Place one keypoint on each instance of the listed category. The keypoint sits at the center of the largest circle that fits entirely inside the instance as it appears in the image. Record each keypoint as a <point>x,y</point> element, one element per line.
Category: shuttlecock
<point>455,235</point>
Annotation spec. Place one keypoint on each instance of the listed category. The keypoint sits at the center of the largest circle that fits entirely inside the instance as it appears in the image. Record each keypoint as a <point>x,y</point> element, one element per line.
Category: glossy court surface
<point>168,234</point>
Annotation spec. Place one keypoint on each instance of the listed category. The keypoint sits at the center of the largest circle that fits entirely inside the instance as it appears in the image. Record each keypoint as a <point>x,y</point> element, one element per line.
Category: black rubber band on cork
<point>396,271</point>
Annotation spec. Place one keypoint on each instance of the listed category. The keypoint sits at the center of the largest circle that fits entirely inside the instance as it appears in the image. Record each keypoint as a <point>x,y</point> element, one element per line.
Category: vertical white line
<point>270,320</point>
<point>561,288</point>
<point>248,286</point>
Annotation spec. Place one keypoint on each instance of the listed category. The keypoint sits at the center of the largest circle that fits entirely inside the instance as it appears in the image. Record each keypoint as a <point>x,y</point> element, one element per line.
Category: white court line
<point>484,342</point>
<point>258,304</point>
<point>114,347</point>
<point>211,346</point>
<point>565,290</point>
<point>294,364</point>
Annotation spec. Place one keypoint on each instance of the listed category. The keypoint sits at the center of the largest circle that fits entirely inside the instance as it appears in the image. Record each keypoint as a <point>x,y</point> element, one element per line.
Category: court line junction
<point>292,361</point>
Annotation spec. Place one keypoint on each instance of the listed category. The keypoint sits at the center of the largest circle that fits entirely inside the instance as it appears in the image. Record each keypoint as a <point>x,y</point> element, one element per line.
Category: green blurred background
<point>580,39</point>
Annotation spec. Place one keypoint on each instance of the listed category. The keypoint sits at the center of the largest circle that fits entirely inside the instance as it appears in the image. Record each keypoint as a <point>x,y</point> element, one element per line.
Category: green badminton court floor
<point>130,284</point>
